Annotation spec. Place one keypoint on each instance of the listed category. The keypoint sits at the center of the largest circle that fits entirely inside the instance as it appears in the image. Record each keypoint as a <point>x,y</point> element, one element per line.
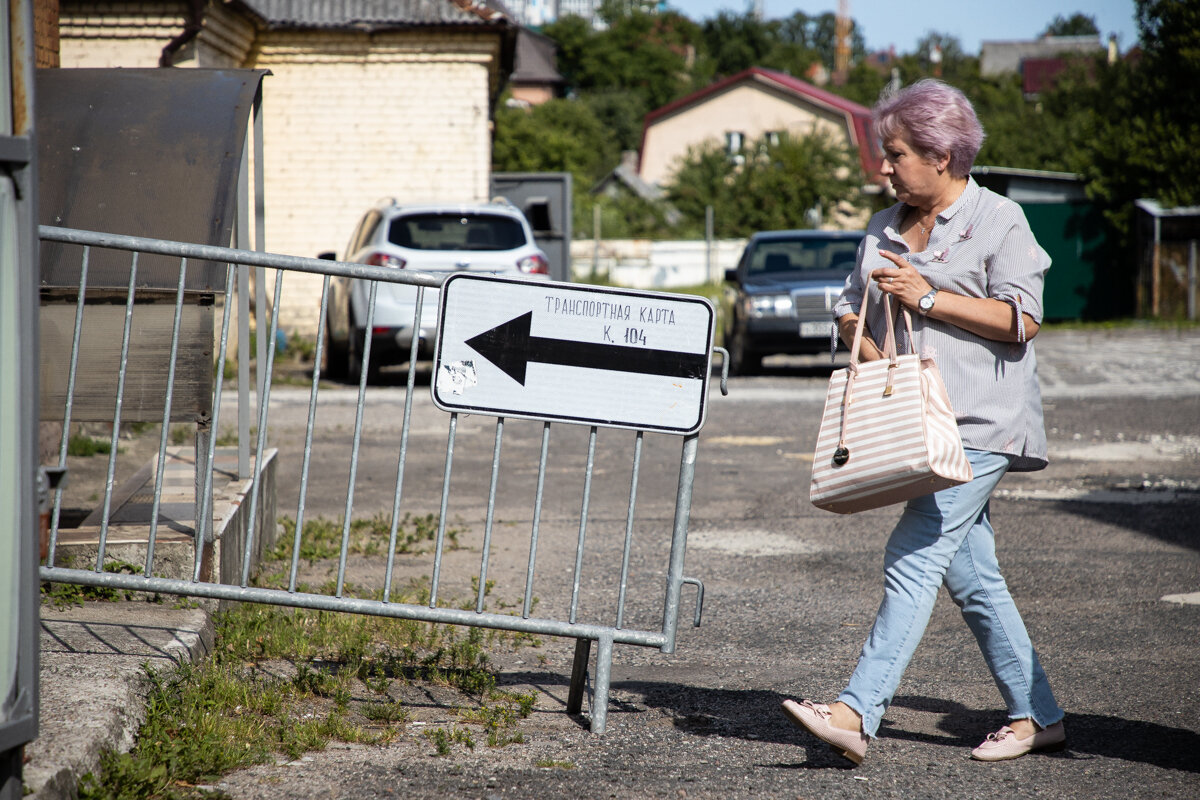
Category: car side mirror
<point>328,255</point>
<point>731,275</point>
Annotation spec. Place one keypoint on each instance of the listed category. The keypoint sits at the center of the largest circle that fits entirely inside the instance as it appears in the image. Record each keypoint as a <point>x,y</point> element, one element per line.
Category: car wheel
<point>742,361</point>
<point>333,358</point>
<point>354,351</point>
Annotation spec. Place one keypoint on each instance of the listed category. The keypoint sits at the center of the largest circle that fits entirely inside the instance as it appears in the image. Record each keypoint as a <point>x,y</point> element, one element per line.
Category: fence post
<point>19,484</point>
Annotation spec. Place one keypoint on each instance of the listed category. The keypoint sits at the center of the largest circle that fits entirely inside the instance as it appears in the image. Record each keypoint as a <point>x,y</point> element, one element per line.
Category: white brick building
<point>366,99</point>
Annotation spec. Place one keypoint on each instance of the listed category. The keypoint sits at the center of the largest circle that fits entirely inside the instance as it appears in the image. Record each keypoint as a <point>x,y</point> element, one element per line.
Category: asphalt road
<point>1090,547</point>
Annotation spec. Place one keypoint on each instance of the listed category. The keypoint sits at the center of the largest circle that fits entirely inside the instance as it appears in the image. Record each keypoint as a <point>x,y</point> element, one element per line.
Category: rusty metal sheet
<point>142,152</point>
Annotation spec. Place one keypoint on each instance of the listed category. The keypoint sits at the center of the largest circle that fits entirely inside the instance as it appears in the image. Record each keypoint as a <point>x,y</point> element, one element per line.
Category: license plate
<point>809,330</point>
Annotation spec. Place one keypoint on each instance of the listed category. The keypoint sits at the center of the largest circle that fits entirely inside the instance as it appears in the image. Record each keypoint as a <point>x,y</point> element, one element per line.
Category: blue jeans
<point>946,537</point>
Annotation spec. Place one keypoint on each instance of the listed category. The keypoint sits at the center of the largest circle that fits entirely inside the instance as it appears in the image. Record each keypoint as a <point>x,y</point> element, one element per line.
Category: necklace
<point>926,229</point>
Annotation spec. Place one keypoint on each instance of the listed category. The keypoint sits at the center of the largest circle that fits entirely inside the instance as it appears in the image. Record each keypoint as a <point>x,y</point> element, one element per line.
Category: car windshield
<point>469,231</point>
<point>802,255</point>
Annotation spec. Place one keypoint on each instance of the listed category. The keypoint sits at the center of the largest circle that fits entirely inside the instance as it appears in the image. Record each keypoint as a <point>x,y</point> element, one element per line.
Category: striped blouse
<point>981,246</point>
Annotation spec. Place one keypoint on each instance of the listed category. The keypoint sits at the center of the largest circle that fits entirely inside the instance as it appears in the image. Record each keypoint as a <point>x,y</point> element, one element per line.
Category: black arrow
<point>510,347</point>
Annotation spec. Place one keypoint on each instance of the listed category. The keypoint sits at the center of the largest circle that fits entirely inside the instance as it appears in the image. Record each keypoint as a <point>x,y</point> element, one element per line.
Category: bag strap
<point>890,349</point>
<point>889,352</point>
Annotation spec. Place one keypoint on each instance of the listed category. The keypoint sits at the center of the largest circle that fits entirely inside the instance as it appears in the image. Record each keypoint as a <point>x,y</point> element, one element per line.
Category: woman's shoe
<point>1004,744</point>
<point>814,717</point>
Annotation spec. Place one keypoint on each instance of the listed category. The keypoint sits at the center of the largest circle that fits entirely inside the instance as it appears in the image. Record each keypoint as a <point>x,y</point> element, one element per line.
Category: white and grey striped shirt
<point>981,246</point>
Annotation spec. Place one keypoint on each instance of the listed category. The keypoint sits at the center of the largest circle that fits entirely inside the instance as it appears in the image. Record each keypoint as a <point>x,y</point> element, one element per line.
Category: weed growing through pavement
<point>322,538</point>
<point>66,595</point>
<point>281,682</point>
<point>84,446</point>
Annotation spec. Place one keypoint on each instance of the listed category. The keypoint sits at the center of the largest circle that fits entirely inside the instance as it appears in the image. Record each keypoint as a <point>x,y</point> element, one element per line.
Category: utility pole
<point>841,57</point>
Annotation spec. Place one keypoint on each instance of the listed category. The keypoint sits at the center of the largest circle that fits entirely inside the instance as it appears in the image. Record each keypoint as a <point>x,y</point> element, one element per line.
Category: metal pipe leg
<point>603,675</point>
<point>583,651</point>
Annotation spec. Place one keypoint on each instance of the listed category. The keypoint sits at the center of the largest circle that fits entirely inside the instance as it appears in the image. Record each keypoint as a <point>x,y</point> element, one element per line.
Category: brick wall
<point>350,120</point>
<point>117,34</point>
<point>45,33</point>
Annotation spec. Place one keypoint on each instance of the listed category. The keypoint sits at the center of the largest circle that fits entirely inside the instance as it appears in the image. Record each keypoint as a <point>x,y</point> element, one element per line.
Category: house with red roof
<point>749,106</point>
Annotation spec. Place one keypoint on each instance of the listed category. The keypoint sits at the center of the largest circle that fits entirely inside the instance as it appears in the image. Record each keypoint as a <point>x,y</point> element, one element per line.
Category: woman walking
<point>965,261</point>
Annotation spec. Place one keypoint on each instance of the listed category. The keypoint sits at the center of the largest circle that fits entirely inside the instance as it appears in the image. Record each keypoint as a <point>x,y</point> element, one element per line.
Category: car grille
<point>809,305</point>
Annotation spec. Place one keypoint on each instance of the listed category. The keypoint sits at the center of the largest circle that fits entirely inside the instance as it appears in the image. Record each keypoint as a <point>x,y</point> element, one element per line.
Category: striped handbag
<point>888,433</point>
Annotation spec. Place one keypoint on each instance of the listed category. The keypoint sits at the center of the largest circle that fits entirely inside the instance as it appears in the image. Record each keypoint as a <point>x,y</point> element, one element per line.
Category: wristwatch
<point>926,303</point>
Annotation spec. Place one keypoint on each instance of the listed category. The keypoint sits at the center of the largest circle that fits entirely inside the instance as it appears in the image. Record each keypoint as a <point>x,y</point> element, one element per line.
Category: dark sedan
<point>785,285</point>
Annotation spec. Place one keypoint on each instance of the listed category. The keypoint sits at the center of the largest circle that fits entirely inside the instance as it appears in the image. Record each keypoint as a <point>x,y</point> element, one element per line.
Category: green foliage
<point>1143,143</point>
<point>85,446</point>
<point>322,538</point>
<point>205,720</point>
<point>1076,25</point>
<point>66,595</point>
<point>442,738</point>
<point>787,180</point>
<point>639,52</point>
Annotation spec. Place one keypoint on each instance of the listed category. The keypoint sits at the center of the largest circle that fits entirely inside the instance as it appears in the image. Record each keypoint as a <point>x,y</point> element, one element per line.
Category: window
<point>803,254</point>
<point>734,140</point>
<point>456,232</point>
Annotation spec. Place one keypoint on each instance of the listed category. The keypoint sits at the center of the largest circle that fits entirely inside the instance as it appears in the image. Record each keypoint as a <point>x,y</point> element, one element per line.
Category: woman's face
<point>915,179</point>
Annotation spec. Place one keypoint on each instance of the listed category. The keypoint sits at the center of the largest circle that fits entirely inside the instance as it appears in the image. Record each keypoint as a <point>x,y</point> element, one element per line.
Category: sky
<point>888,22</point>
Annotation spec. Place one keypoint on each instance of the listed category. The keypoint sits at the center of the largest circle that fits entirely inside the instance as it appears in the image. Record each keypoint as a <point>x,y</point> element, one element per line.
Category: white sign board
<point>572,353</point>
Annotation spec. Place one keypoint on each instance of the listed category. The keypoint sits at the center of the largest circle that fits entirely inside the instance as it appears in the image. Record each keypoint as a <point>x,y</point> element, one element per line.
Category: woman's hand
<point>902,280</point>
<point>867,349</point>
<point>984,316</point>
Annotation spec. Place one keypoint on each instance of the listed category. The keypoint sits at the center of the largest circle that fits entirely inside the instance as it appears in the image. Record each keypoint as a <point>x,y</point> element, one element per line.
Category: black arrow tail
<point>617,358</point>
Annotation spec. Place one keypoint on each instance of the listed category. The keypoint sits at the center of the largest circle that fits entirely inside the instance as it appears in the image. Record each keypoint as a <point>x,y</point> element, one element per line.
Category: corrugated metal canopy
<point>142,152</point>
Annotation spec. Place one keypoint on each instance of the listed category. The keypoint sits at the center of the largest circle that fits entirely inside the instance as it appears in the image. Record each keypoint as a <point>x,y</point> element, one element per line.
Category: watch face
<point>927,302</point>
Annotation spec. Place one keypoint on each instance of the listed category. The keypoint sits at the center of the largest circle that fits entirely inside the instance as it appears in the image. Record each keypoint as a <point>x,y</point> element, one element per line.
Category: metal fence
<point>599,623</point>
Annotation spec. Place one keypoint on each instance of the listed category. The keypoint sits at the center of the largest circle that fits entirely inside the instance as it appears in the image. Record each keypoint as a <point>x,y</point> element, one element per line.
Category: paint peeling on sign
<point>458,376</point>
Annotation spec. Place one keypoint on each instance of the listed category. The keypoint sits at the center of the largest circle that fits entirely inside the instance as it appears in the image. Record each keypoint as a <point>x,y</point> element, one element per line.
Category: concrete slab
<point>93,682</point>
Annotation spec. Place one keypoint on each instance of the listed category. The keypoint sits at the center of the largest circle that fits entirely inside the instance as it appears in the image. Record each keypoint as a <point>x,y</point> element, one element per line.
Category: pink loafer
<point>1004,744</point>
<point>814,718</point>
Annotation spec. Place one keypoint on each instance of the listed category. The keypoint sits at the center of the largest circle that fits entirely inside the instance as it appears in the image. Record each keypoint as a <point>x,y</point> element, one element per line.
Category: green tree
<point>769,185</point>
<point>1076,25</point>
<point>557,136</point>
<point>1139,135</point>
<point>736,42</point>
<point>648,54</point>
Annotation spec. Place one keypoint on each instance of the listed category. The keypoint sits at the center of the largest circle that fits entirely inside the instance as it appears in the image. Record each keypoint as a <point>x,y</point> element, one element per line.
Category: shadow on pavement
<point>1088,735</point>
<point>754,714</point>
<point>1160,520</point>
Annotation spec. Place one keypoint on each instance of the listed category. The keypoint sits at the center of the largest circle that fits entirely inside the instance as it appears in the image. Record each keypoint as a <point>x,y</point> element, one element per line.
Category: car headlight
<point>771,305</point>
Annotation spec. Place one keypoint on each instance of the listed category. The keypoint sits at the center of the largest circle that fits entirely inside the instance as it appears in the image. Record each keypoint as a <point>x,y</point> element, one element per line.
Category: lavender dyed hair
<point>936,119</point>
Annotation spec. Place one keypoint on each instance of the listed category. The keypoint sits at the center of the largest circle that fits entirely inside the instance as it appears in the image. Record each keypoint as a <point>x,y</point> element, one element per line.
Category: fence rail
<point>204,580</point>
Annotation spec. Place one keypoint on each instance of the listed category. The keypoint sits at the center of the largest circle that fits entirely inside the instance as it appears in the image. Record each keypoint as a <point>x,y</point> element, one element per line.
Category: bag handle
<point>890,349</point>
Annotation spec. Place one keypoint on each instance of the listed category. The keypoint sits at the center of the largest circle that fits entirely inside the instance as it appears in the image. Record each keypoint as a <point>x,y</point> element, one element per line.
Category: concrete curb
<point>93,683</point>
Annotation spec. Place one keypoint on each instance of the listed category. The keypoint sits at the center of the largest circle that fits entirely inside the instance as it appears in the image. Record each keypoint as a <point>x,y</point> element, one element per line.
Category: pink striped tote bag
<point>888,433</point>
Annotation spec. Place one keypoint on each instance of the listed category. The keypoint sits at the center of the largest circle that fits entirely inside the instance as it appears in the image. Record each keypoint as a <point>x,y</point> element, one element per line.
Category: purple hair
<point>936,119</point>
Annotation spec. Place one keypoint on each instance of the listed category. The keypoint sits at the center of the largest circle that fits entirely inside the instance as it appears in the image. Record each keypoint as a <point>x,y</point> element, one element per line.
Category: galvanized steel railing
<point>606,635</point>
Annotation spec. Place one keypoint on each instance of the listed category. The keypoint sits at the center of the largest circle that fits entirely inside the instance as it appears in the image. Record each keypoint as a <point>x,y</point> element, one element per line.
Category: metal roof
<point>376,13</point>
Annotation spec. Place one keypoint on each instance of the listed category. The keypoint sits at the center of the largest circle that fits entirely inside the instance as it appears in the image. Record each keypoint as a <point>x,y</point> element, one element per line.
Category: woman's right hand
<point>867,349</point>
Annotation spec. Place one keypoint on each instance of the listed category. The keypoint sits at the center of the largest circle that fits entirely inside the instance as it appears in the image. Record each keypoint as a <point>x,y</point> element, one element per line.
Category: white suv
<point>493,238</point>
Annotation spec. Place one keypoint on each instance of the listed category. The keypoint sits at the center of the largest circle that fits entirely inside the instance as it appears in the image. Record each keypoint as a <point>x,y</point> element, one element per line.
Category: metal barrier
<point>570,624</point>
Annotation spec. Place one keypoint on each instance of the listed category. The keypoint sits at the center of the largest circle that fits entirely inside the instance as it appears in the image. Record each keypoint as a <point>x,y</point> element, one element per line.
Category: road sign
<point>572,353</point>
